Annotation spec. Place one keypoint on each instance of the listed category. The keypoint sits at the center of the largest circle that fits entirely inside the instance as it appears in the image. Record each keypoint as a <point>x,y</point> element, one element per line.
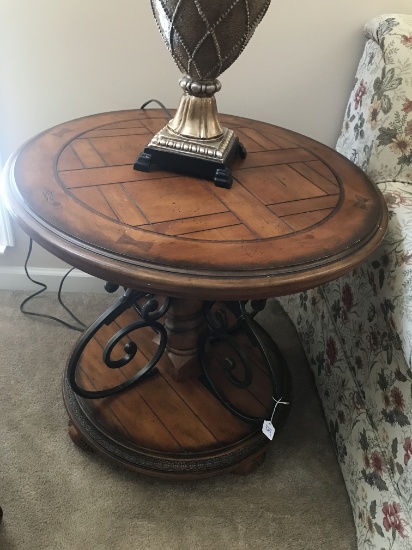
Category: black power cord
<point>79,328</point>
<point>165,109</point>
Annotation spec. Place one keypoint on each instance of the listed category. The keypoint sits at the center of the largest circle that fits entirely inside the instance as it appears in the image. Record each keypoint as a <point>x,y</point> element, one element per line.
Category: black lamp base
<point>216,170</point>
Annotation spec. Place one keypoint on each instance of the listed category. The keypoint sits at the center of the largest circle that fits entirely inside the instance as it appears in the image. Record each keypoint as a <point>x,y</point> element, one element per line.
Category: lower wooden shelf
<point>167,428</point>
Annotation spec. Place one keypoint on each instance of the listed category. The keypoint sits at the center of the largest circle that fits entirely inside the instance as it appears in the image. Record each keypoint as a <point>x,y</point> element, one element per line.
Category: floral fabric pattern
<point>381,103</point>
<point>357,330</point>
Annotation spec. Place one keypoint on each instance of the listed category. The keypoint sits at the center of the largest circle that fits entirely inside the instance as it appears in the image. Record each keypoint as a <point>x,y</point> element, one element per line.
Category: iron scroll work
<point>222,357</point>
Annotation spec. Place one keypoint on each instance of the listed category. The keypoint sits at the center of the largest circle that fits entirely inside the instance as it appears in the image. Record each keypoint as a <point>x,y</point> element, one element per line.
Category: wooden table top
<point>298,214</point>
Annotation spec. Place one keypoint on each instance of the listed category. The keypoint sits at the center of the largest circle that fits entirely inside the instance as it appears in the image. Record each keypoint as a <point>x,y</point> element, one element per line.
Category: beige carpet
<point>57,497</point>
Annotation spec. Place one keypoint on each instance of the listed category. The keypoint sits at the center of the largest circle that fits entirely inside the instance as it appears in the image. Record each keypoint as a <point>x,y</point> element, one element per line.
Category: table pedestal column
<point>176,388</point>
<point>184,323</point>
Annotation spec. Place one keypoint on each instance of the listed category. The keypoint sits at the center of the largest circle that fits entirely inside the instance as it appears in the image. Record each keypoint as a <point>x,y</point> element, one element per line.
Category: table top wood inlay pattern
<point>298,213</point>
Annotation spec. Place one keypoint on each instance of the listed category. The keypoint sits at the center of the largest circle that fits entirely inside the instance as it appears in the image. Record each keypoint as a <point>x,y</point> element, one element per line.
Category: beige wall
<point>61,59</point>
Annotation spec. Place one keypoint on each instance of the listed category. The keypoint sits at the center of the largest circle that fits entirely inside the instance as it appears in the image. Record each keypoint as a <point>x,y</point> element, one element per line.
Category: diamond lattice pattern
<point>206,36</point>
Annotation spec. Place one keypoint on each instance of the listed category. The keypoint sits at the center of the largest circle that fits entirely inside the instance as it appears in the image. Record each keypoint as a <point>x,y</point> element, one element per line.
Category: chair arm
<point>389,271</point>
<point>377,129</point>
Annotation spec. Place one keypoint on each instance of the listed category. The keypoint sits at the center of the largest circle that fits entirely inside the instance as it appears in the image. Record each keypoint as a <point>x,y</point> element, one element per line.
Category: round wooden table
<point>176,378</point>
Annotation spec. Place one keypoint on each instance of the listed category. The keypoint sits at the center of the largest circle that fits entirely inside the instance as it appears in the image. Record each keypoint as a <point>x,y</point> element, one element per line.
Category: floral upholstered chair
<point>357,331</point>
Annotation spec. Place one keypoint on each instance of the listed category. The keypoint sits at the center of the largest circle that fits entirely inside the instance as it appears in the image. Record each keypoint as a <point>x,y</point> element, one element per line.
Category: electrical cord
<point>81,326</point>
<point>165,109</point>
<point>43,289</point>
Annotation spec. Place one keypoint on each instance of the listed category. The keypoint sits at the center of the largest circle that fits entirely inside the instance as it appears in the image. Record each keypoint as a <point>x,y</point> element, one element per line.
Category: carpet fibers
<point>58,497</point>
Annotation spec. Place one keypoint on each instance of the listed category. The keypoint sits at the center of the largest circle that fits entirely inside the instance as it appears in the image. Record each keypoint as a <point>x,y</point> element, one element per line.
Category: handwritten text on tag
<point>268,429</point>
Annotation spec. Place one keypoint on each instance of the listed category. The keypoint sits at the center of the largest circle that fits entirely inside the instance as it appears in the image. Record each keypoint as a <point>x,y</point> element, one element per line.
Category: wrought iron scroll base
<point>149,313</point>
<point>225,321</point>
<point>234,345</point>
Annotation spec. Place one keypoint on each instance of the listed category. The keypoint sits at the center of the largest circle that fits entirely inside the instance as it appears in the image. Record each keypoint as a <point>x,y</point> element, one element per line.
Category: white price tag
<point>268,429</point>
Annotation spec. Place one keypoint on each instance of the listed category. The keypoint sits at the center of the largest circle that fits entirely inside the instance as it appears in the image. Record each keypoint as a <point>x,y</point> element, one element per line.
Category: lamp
<point>204,38</point>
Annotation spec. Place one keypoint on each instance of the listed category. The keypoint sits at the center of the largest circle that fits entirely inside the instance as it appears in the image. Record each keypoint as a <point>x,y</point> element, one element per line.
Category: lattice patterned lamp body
<point>204,38</point>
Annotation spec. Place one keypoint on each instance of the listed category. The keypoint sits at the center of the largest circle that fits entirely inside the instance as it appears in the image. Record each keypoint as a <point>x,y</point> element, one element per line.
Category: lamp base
<point>206,158</point>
